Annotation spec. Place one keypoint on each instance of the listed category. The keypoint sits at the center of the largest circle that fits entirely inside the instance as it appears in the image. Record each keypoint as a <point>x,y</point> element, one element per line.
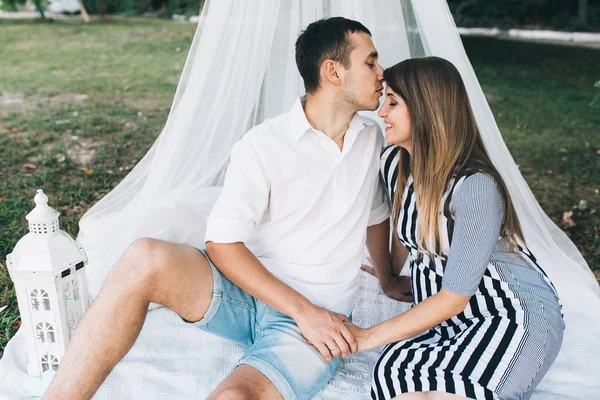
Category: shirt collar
<point>300,125</point>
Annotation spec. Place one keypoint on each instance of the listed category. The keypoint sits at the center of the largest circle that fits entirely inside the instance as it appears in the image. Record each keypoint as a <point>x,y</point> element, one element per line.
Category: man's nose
<point>380,72</point>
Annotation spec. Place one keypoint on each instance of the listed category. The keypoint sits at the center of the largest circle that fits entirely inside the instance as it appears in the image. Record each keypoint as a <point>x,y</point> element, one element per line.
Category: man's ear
<point>331,71</point>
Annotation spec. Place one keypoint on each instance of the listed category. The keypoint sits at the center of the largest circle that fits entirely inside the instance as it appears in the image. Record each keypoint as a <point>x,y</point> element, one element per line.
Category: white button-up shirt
<point>302,206</point>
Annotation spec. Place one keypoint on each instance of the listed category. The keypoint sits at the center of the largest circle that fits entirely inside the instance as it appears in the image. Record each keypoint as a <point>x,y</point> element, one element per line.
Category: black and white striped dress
<point>509,334</point>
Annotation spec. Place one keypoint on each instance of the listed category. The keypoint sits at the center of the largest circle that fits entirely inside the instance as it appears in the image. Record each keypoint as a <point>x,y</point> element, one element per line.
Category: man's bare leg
<point>173,275</point>
<point>245,383</point>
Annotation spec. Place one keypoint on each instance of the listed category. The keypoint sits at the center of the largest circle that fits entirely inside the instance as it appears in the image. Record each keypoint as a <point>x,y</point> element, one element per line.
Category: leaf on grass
<point>88,171</point>
<point>567,221</point>
<point>29,167</point>
<point>16,325</point>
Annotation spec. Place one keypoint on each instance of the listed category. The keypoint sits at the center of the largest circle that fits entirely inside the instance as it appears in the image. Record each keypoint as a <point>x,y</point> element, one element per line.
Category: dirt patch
<point>18,102</point>
<point>148,103</point>
<point>137,34</point>
<point>80,150</point>
<point>81,155</point>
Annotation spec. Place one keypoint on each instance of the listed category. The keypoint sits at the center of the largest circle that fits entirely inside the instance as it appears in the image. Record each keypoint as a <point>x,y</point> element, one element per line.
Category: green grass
<point>540,95</point>
<point>81,104</point>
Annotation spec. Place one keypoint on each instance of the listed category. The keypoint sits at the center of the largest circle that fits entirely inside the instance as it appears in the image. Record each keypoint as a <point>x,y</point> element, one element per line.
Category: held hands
<point>363,336</point>
<point>395,287</point>
<point>327,332</point>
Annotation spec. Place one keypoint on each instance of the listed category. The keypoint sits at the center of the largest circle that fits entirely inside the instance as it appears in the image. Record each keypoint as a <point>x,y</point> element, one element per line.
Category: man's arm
<point>322,328</point>
<point>378,243</point>
<point>240,207</point>
<point>378,238</point>
<point>387,268</point>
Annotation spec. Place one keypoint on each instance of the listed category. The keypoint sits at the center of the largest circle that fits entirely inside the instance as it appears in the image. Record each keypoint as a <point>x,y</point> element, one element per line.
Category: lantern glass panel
<point>45,300</point>
<point>75,290</point>
<point>45,333</point>
<point>41,337</point>
<point>48,362</point>
<point>35,303</point>
<point>67,293</point>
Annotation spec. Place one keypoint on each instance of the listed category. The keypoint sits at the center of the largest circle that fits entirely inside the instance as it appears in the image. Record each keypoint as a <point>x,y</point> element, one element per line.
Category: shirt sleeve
<point>380,207</point>
<point>478,212</point>
<point>244,197</point>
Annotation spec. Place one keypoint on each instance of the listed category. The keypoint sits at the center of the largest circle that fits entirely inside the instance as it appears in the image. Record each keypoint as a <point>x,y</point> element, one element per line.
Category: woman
<point>486,321</point>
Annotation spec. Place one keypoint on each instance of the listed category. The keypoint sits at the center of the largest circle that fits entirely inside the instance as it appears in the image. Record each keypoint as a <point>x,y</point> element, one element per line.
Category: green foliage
<point>11,5</point>
<point>14,5</point>
<point>505,14</point>
<point>159,8</point>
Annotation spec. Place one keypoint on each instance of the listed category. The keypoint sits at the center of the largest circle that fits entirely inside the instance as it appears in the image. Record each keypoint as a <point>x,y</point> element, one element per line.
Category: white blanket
<point>172,360</point>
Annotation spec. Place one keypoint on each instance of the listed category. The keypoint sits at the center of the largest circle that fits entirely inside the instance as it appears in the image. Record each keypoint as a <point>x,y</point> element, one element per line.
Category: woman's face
<point>397,120</point>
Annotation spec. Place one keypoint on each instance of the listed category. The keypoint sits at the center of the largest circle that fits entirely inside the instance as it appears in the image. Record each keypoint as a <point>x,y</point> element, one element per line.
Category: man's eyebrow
<point>373,55</point>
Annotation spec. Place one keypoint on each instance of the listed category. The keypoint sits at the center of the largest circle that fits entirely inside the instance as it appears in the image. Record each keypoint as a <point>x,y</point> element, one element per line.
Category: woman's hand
<point>363,336</point>
<point>395,287</point>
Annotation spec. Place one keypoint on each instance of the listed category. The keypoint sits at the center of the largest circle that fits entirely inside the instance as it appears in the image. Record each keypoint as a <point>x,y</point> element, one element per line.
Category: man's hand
<point>326,331</point>
<point>395,287</point>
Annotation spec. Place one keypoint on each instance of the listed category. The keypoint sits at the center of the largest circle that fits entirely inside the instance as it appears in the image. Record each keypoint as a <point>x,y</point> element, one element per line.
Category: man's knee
<point>233,393</point>
<point>144,259</point>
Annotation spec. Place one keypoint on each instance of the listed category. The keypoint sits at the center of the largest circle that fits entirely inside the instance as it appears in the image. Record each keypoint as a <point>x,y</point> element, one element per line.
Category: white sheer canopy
<point>240,71</point>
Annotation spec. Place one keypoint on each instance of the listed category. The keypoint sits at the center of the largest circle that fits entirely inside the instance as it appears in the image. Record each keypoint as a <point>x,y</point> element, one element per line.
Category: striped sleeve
<point>478,210</point>
<point>389,168</point>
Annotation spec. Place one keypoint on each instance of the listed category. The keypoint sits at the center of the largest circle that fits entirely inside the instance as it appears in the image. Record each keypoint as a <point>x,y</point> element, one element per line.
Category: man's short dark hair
<point>326,39</point>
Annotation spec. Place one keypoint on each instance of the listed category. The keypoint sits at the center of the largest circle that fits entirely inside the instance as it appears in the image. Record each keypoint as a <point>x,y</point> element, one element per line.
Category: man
<point>285,240</point>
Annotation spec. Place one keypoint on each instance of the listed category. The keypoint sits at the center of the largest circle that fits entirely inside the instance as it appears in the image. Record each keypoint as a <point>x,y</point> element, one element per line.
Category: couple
<point>284,245</point>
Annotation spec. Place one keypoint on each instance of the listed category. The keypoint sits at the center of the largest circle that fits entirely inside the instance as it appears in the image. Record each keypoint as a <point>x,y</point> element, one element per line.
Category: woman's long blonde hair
<point>446,144</point>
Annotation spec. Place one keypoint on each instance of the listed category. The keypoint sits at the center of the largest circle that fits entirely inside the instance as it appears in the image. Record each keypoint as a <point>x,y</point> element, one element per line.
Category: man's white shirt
<point>302,206</point>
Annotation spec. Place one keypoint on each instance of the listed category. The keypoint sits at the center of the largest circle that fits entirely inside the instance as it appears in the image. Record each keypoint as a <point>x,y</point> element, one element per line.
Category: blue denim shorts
<point>275,345</point>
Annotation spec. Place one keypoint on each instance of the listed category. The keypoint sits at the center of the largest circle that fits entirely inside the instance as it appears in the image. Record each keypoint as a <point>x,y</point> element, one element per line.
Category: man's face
<point>362,84</point>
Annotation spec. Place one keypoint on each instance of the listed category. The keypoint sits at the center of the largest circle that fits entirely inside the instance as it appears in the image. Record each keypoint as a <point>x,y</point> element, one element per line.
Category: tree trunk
<point>40,9</point>
<point>583,11</point>
<point>101,8</point>
<point>84,14</point>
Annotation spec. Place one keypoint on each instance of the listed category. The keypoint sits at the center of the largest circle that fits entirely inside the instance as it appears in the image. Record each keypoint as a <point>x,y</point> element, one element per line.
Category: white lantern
<point>48,270</point>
